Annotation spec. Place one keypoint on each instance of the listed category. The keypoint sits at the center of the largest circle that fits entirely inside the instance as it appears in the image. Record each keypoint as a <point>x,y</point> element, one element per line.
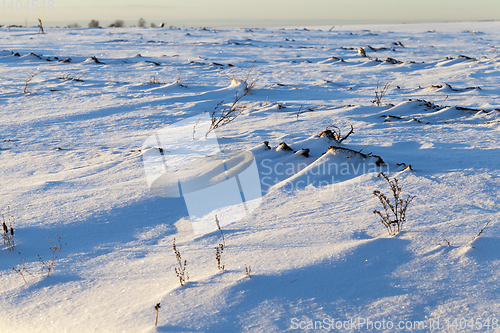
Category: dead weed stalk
<point>49,263</point>
<point>8,230</point>
<point>28,80</point>
<point>394,214</point>
<point>334,133</point>
<point>380,92</point>
<point>181,271</point>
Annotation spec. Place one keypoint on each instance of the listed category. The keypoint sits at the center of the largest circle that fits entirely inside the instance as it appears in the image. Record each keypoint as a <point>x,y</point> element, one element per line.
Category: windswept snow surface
<point>72,150</point>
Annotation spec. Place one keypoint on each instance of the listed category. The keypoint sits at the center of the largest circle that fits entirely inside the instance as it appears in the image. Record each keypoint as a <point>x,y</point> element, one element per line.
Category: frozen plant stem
<point>334,133</point>
<point>247,271</point>
<point>8,230</point>
<point>220,229</point>
<point>298,112</point>
<point>49,263</point>
<point>157,307</point>
<point>380,92</point>
<point>28,80</point>
<point>394,214</point>
<point>220,248</point>
<point>181,271</point>
<point>480,231</point>
<point>228,114</point>
<point>22,270</point>
<point>218,256</point>
<point>40,29</point>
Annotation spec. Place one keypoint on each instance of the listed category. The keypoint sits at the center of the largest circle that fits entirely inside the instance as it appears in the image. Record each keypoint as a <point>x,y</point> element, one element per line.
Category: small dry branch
<point>28,80</point>
<point>220,248</point>
<point>22,269</point>
<point>480,231</point>
<point>380,92</point>
<point>181,271</point>
<point>220,229</point>
<point>229,113</point>
<point>49,263</point>
<point>40,27</point>
<point>8,229</point>
<point>334,133</point>
<point>157,307</point>
<point>393,215</point>
<point>218,256</point>
<point>247,271</point>
<point>68,77</point>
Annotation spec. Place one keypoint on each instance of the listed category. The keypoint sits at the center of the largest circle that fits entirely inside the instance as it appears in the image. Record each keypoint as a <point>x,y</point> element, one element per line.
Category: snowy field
<point>72,148</point>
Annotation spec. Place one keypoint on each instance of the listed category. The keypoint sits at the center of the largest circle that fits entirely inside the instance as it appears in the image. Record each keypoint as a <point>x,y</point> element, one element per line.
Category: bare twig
<point>298,112</point>
<point>394,215</point>
<point>218,256</point>
<point>247,271</point>
<point>8,230</point>
<point>157,307</point>
<point>49,263</point>
<point>220,248</point>
<point>334,133</point>
<point>380,92</point>
<point>28,80</point>
<point>227,114</point>
<point>22,270</point>
<point>40,29</point>
<point>181,271</point>
<point>445,99</point>
<point>72,78</point>
<point>194,127</point>
<point>447,242</point>
<point>480,231</point>
<point>220,229</point>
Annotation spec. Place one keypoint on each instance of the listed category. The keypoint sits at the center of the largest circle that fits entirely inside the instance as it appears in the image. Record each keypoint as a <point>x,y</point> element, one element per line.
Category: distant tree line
<point>116,24</point>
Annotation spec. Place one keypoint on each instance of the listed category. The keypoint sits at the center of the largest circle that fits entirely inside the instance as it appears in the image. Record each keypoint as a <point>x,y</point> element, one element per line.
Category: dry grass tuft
<point>181,271</point>
<point>380,92</point>
<point>8,230</point>
<point>22,269</point>
<point>49,263</point>
<point>394,214</point>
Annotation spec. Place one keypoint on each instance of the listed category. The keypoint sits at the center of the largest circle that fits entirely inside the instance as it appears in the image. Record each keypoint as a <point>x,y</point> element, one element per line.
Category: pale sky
<point>219,13</point>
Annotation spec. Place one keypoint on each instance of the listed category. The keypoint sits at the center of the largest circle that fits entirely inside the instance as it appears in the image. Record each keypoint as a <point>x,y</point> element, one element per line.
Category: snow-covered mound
<point>299,124</point>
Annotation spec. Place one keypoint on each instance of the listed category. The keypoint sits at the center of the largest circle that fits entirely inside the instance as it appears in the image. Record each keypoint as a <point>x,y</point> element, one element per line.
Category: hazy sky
<point>217,13</point>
